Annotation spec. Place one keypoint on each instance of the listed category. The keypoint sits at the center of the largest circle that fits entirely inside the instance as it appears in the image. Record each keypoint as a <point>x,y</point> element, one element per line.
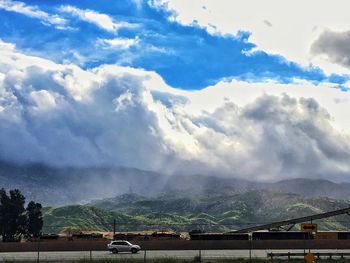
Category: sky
<point>254,89</point>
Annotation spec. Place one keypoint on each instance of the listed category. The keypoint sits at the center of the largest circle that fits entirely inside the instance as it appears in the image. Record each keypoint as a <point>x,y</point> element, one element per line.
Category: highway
<point>180,254</point>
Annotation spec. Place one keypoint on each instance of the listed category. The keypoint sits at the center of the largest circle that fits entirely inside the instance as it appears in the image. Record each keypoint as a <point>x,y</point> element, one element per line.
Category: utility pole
<point>114,223</point>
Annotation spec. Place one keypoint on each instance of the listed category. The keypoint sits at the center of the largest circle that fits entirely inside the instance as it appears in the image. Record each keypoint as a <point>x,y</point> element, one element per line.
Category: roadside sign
<point>309,257</point>
<point>308,227</point>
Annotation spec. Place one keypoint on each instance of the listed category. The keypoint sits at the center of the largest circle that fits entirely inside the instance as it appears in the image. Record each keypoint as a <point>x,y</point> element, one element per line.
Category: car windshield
<point>127,242</point>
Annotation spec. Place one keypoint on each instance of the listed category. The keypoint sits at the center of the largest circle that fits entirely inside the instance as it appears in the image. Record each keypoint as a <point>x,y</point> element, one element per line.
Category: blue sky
<point>186,56</point>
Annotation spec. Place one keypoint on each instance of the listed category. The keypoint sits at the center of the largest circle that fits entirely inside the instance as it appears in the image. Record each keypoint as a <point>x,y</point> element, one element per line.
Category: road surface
<point>181,254</point>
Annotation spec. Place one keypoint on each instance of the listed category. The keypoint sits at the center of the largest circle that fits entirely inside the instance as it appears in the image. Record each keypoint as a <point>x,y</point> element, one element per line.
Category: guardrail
<point>318,255</point>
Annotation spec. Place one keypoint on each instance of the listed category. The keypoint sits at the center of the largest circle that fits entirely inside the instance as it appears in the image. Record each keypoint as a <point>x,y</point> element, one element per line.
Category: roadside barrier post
<point>250,250</point>
<point>38,256</point>
<point>114,225</point>
<point>144,257</point>
<point>90,255</point>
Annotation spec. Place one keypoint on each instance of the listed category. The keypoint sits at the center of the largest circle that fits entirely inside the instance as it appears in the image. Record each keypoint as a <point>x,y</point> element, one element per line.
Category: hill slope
<point>212,212</point>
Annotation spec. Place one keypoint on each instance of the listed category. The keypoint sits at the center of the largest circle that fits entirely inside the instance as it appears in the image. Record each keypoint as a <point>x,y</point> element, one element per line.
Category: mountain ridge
<point>63,186</point>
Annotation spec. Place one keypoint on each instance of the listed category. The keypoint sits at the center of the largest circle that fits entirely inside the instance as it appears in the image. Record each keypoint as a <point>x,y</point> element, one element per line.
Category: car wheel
<point>134,250</point>
<point>115,251</point>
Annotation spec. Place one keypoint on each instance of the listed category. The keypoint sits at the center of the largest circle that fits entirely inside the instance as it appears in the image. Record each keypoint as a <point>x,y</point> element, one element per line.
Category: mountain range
<point>90,198</point>
<point>63,186</point>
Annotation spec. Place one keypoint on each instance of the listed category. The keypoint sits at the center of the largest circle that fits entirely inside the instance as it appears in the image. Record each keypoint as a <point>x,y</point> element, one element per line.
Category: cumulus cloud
<point>333,46</point>
<point>120,116</point>
<point>103,21</point>
<point>287,28</point>
<point>34,12</point>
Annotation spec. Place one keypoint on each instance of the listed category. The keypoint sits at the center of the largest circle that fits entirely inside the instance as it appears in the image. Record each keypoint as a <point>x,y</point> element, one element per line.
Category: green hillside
<point>210,211</point>
<point>92,218</point>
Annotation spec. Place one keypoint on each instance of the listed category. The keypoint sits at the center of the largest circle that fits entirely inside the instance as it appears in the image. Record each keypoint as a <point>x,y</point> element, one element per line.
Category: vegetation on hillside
<point>209,212</point>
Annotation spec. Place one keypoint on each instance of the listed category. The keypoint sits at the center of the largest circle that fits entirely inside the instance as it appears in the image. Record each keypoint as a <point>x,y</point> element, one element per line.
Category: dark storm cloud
<point>335,46</point>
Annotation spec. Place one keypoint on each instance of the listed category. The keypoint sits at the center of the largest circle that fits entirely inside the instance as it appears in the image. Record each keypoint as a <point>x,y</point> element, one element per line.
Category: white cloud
<point>112,115</point>
<point>291,29</point>
<point>6,46</point>
<point>34,12</point>
<point>123,101</point>
<point>103,21</point>
<point>120,43</point>
<point>241,93</point>
<point>43,100</point>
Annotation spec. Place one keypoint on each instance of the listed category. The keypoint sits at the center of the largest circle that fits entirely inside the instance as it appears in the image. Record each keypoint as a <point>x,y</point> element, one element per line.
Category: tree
<point>3,204</point>
<point>35,219</point>
<point>15,220</point>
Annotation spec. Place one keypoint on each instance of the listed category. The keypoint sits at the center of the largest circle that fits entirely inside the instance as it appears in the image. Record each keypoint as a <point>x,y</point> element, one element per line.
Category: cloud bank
<point>63,115</point>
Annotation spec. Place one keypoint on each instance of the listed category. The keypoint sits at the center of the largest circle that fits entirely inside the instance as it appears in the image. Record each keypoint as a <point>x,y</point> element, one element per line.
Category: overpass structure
<point>289,224</point>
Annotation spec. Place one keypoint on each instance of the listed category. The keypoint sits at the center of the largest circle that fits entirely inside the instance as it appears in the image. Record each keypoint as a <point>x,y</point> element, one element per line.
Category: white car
<point>122,246</point>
